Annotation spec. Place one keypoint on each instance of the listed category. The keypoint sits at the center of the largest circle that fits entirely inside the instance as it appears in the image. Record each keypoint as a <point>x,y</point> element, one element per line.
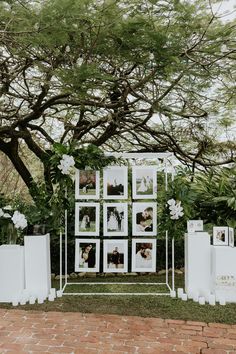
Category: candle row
<point>195,296</point>
<point>25,297</point>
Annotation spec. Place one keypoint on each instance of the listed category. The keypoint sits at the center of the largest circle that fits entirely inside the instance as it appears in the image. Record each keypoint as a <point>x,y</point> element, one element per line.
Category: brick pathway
<point>58,332</point>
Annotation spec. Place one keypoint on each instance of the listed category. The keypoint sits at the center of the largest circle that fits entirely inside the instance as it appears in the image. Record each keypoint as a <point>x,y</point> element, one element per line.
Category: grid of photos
<point>87,219</point>
<point>115,219</point>
<point>87,184</point>
<point>143,255</point>
<point>115,256</point>
<point>144,182</point>
<point>87,254</point>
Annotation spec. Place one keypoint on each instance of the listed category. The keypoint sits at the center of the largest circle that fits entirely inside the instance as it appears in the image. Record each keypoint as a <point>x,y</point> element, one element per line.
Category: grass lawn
<point>146,306</point>
<point>89,192</point>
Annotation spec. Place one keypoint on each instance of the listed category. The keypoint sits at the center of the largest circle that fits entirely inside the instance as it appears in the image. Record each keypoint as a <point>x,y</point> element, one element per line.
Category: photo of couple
<point>87,184</point>
<point>115,181</point>
<point>144,219</point>
<point>143,255</point>
<point>87,219</point>
<point>144,182</point>
<point>220,236</point>
<point>115,256</point>
<point>115,219</point>
<point>87,255</point>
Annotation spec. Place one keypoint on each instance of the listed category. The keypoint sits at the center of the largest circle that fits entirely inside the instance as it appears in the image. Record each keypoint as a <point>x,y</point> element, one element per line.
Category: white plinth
<point>37,265</point>
<point>197,263</point>
<point>11,272</point>
<point>224,272</point>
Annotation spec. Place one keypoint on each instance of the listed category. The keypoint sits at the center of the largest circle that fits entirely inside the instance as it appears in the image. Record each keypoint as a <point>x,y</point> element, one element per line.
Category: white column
<point>12,278</point>
<point>197,263</point>
<point>224,272</point>
<point>37,264</point>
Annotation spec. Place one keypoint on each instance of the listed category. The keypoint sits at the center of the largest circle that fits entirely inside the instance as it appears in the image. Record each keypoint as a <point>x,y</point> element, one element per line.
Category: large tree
<point>143,75</point>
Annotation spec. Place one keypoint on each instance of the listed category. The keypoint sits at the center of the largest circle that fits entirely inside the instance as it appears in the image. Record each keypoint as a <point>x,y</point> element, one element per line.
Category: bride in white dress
<point>143,186</point>
<point>112,222</point>
<point>84,222</point>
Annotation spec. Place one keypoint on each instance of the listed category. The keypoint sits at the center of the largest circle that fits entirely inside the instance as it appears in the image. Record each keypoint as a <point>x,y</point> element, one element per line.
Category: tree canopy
<point>127,75</point>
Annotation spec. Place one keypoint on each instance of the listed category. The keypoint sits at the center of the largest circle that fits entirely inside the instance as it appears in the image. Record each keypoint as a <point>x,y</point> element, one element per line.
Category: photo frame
<point>115,256</point>
<point>143,255</point>
<point>87,255</point>
<point>87,184</point>
<point>115,182</point>
<point>144,182</point>
<point>87,219</point>
<point>231,236</point>
<point>220,236</point>
<point>144,220</point>
<point>115,219</point>
<point>194,225</point>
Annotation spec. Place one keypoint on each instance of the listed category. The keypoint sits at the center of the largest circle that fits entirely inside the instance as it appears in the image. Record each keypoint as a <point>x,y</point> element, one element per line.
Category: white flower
<point>151,56</point>
<point>19,220</point>
<point>7,207</point>
<point>6,215</point>
<point>1,212</point>
<point>66,164</point>
<point>176,210</point>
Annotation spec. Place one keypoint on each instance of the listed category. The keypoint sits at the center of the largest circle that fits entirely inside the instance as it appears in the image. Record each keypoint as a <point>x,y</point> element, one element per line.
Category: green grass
<point>146,306</point>
<point>89,192</point>
<point>91,229</point>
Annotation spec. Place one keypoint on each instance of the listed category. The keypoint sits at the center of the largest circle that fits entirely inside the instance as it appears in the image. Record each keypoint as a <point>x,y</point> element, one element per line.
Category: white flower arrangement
<point>176,210</point>
<point>67,164</point>
<point>18,219</point>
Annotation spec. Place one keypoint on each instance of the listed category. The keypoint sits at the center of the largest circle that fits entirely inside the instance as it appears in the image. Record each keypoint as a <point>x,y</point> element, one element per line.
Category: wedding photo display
<point>87,219</point>
<point>115,256</point>
<point>87,184</point>
<point>144,182</point>
<point>143,255</point>
<point>115,219</point>
<point>87,255</point>
<point>220,236</point>
<point>144,219</point>
<point>115,182</point>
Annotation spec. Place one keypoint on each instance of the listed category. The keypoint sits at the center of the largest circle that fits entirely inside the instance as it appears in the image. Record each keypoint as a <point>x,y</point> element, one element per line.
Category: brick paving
<point>77,333</point>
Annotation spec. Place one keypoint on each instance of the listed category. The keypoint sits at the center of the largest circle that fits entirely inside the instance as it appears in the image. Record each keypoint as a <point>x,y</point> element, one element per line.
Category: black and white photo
<point>87,254</point>
<point>144,182</point>
<point>144,219</point>
<point>115,182</point>
<point>115,219</point>
<point>143,255</point>
<point>115,256</point>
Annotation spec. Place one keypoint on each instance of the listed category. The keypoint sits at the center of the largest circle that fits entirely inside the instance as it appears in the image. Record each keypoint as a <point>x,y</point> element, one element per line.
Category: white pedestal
<point>224,272</point>
<point>12,273</point>
<point>37,265</point>
<point>197,263</point>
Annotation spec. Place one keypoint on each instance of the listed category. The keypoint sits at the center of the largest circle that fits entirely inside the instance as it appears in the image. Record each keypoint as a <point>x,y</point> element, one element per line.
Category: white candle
<point>23,301</point>
<point>53,292</point>
<point>201,300</point>
<point>207,295</point>
<point>40,300</point>
<point>196,296</point>
<point>173,293</point>
<point>222,301</point>
<point>184,297</point>
<point>180,292</point>
<point>212,300</point>
<point>32,300</point>
<point>15,302</point>
<point>51,297</point>
<point>59,293</point>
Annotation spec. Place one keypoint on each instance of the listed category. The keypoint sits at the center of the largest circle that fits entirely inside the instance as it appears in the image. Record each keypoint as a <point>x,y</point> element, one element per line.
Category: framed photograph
<point>115,256</point>
<point>87,219</point>
<point>87,253</point>
<point>143,255</point>
<point>144,219</point>
<point>144,182</point>
<point>115,219</point>
<point>231,236</point>
<point>87,184</point>
<point>115,182</point>
<point>194,225</point>
<point>220,236</point>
